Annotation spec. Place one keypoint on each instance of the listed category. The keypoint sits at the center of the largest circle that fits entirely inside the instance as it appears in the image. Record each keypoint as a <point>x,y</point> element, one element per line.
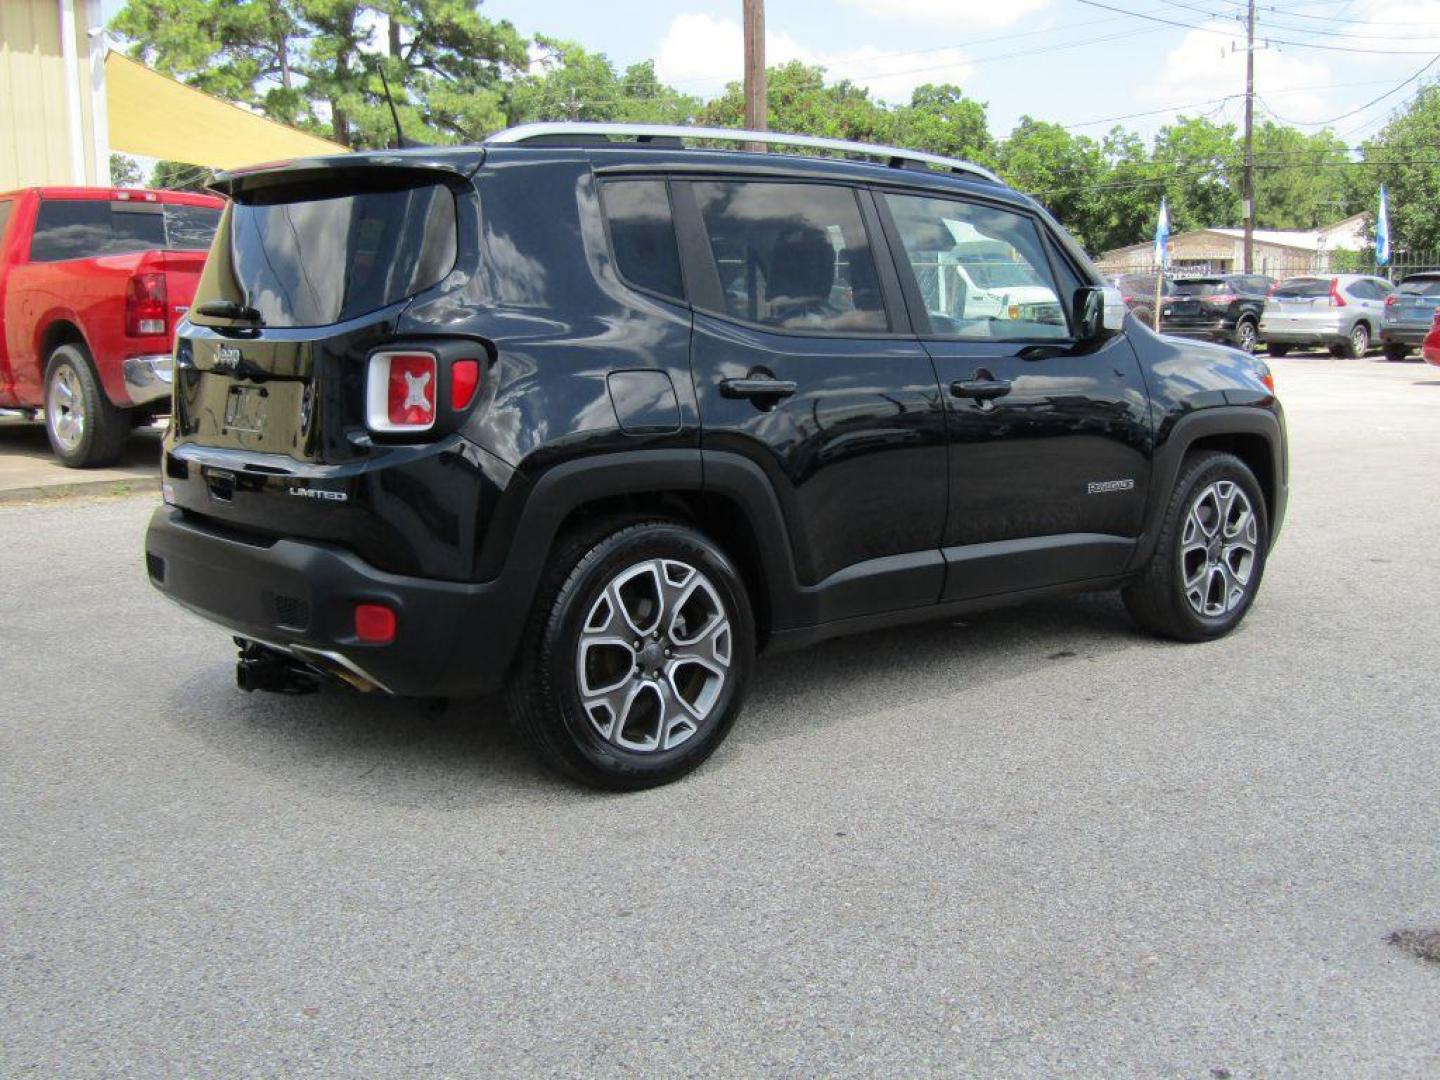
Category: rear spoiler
<point>361,168</point>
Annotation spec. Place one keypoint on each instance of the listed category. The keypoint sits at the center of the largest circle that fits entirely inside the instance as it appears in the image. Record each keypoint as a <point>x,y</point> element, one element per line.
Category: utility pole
<point>1247,183</point>
<point>755,98</point>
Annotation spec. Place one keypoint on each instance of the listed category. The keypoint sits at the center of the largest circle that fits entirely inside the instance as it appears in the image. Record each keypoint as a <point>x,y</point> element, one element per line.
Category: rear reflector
<point>464,378</point>
<point>400,392</point>
<point>374,624</point>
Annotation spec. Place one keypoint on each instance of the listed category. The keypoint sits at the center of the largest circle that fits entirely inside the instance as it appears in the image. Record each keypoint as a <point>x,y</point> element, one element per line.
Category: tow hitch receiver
<point>259,668</point>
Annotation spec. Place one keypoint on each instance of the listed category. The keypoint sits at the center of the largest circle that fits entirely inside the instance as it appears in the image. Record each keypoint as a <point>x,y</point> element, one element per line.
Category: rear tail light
<point>400,391</point>
<point>375,624</point>
<point>1271,291</point>
<point>145,303</point>
<point>1391,300</point>
<point>1336,300</point>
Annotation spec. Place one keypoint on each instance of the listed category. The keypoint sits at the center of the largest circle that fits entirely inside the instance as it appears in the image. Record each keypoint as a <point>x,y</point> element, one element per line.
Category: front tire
<point>1247,336</point>
<point>84,429</point>
<point>1210,555</point>
<point>637,655</point>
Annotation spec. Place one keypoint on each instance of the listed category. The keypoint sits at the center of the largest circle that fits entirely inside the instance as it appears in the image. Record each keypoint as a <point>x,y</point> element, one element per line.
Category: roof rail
<point>895,156</point>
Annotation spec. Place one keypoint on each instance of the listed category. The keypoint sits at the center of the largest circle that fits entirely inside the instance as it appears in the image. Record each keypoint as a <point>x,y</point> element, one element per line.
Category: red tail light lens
<point>1336,300</point>
<point>374,624</point>
<point>1391,300</point>
<point>400,392</point>
<point>145,305</point>
<point>464,378</point>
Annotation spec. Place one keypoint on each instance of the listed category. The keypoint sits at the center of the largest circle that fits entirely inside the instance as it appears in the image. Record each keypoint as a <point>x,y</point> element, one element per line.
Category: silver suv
<point>1342,312</point>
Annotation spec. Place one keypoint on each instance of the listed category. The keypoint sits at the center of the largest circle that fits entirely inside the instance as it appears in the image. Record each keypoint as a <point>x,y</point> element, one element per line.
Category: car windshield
<point>1199,287</point>
<point>1302,288</point>
<point>1421,287</point>
<point>992,275</point>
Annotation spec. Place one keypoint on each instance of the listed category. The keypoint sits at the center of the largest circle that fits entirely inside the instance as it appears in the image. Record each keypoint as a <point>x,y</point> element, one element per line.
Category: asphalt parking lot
<point>1030,843</point>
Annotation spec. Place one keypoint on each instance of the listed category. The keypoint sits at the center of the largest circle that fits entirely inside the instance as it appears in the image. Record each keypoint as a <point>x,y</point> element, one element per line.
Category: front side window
<point>792,256</point>
<point>982,272</point>
<point>643,235</point>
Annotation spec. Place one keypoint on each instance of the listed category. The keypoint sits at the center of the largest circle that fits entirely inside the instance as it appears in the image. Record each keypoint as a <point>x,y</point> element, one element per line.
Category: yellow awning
<point>152,115</point>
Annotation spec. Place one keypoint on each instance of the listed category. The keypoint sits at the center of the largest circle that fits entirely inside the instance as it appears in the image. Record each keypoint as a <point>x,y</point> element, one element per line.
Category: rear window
<point>190,227</point>
<point>88,228</point>
<point>1301,288</point>
<point>313,262</point>
<point>1199,287</point>
<point>5,205</point>
<point>1417,287</point>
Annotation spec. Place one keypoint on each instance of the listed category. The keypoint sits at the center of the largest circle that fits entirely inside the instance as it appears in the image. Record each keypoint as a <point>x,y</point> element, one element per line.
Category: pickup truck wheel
<point>1246,336</point>
<point>1210,556</point>
<point>636,657</point>
<point>85,430</point>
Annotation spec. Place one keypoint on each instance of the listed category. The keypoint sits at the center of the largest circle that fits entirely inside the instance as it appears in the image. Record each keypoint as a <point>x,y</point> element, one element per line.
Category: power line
<point>1354,112</point>
<point>1270,40</point>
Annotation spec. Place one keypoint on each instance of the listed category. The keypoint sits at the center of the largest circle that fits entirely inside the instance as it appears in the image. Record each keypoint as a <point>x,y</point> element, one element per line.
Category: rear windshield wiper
<point>227,309</point>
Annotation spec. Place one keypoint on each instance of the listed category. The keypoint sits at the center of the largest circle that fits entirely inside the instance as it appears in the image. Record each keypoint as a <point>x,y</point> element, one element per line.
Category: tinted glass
<point>1257,285</point>
<point>1200,287</point>
<point>955,248</point>
<point>190,227</point>
<point>86,228</point>
<point>1413,287</point>
<point>1364,290</point>
<point>1300,288</point>
<point>314,262</point>
<point>5,205</point>
<point>643,234</point>
<point>792,255</point>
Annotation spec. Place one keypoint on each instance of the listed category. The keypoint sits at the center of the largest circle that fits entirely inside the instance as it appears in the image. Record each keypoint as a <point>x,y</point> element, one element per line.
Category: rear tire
<point>1210,555</point>
<point>636,657</point>
<point>1396,353</point>
<point>1357,344</point>
<point>1277,350</point>
<point>84,429</point>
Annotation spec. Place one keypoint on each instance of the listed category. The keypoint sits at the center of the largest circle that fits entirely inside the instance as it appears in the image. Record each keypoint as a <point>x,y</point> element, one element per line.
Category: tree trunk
<point>339,123</point>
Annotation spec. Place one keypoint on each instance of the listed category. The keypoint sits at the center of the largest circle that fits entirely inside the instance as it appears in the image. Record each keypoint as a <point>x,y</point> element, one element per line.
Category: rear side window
<point>792,256</point>
<point>1302,288</point>
<point>313,262</point>
<point>5,205</point>
<point>87,228</point>
<point>643,235</point>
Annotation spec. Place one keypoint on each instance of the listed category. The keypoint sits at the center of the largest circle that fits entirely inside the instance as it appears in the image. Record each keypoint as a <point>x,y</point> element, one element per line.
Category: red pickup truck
<point>92,283</point>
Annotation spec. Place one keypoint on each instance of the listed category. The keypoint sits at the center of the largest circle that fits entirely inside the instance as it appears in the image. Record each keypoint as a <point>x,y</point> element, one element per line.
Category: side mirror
<point>1099,313</point>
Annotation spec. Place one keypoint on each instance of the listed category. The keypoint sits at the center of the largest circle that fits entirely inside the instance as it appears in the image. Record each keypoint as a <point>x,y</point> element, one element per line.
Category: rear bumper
<point>148,378</point>
<point>1329,335</point>
<point>1404,335</point>
<point>1206,330</point>
<point>453,639</point>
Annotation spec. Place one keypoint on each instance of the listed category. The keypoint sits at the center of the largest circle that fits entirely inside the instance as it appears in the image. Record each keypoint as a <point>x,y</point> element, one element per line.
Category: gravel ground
<point>1029,843</point>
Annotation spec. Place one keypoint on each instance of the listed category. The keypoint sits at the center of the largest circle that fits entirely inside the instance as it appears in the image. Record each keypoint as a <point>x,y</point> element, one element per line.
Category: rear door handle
<point>980,389</point>
<point>757,388</point>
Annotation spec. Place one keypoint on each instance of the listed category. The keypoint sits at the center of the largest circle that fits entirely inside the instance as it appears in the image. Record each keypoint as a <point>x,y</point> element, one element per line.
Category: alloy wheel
<point>1245,336</point>
<point>1360,339</point>
<point>1218,549</point>
<point>653,656</point>
<point>65,408</point>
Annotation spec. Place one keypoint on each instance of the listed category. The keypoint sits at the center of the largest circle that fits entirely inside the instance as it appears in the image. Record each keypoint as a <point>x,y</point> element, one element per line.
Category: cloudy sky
<point>1059,60</point>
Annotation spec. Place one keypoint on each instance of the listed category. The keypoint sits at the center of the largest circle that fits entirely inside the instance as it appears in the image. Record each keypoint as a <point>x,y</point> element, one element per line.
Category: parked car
<point>1225,308</point>
<point>1430,349</point>
<point>1409,312</point>
<point>92,284</point>
<point>1342,313</point>
<point>610,445</point>
<point>1138,291</point>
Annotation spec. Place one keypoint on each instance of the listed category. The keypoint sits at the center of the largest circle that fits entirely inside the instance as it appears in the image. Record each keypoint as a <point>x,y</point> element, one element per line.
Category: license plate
<point>1166,311</point>
<point>245,409</point>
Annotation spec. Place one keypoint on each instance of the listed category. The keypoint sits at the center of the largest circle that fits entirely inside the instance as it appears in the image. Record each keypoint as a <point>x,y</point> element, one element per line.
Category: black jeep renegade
<point>596,416</point>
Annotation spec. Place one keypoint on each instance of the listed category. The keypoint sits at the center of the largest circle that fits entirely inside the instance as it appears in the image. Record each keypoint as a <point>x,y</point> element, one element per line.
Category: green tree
<point>573,84</point>
<point>1061,170</point>
<point>1403,157</point>
<point>800,102</point>
<point>1202,162</point>
<point>942,120</point>
<point>179,176</point>
<point>1300,180</point>
<point>125,171</point>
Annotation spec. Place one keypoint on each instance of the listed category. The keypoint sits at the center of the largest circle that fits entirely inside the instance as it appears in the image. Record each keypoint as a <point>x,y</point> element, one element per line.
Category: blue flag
<point>1382,231</point>
<point>1162,237</point>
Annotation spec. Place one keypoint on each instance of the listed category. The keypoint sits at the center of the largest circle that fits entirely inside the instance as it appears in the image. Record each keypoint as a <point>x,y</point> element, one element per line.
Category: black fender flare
<point>1188,430</point>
